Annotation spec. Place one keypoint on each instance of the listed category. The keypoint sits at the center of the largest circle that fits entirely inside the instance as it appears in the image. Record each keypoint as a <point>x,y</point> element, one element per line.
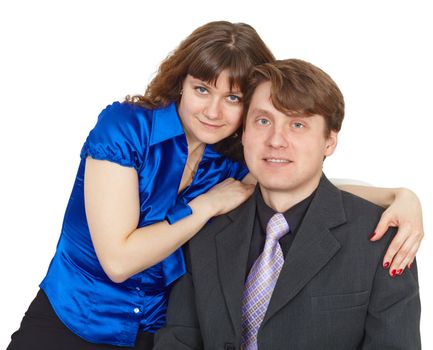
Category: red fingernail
<point>386,265</point>
<point>393,272</point>
<point>399,271</point>
<point>372,235</point>
<point>409,266</point>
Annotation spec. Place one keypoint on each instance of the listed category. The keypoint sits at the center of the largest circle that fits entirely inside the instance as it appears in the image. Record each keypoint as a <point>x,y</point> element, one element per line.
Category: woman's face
<point>209,113</point>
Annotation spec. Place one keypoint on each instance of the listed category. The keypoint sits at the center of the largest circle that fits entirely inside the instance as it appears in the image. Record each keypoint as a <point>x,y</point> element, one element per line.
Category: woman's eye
<point>201,89</point>
<point>263,122</point>
<point>233,98</point>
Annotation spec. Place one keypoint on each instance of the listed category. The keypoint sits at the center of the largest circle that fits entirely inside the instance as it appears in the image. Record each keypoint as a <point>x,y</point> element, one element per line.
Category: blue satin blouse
<point>83,297</point>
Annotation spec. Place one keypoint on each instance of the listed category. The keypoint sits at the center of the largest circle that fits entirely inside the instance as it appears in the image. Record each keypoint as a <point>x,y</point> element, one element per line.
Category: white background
<point>61,62</point>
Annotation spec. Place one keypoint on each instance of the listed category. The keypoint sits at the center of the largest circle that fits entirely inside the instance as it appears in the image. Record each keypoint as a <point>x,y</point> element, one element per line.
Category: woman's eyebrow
<point>211,86</point>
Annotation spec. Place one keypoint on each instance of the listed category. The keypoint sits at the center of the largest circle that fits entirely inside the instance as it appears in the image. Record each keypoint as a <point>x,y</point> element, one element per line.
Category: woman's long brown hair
<point>210,49</point>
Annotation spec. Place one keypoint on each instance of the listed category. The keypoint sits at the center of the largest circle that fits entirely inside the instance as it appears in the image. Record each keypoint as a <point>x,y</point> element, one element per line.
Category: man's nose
<point>277,138</point>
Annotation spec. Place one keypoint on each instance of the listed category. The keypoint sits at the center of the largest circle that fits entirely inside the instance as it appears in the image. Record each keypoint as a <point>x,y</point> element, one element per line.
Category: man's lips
<point>277,160</point>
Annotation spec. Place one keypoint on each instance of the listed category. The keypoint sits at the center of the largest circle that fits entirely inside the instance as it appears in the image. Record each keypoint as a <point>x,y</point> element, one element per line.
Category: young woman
<point>153,171</point>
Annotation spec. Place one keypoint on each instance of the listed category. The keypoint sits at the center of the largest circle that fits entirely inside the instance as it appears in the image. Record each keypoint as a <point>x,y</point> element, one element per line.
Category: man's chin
<point>277,186</point>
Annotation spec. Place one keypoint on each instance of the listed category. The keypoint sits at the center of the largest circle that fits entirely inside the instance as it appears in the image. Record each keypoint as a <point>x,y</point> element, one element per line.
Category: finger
<point>225,183</point>
<point>383,225</point>
<point>249,187</point>
<point>405,256</point>
<point>396,243</point>
<point>247,190</point>
<point>249,179</point>
<point>409,266</point>
<point>408,260</point>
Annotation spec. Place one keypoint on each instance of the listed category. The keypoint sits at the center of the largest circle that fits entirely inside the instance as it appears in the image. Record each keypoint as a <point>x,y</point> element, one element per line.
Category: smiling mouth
<point>211,126</point>
<point>277,160</point>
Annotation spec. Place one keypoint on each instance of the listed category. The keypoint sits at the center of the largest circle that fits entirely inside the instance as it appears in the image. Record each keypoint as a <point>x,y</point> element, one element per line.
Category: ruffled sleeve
<point>119,136</point>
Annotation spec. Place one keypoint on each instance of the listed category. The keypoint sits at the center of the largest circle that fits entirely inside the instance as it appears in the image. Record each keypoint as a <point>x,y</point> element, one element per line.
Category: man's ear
<point>331,143</point>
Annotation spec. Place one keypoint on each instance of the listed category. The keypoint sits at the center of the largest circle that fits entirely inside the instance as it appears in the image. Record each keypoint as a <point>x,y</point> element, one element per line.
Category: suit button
<point>229,346</point>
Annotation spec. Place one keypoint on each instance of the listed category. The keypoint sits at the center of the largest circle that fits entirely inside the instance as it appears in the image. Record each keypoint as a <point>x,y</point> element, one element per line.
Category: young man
<point>293,267</point>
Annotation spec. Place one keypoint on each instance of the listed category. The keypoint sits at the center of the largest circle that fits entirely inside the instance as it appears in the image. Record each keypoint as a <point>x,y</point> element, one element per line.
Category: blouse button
<point>136,310</point>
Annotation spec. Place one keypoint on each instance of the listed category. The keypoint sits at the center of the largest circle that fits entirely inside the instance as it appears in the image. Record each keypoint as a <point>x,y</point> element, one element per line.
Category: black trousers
<point>41,329</point>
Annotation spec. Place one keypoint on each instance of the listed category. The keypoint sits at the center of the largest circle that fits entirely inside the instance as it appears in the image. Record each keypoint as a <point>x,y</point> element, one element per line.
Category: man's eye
<point>201,89</point>
<point>263,121</point>
<point>297,125</point>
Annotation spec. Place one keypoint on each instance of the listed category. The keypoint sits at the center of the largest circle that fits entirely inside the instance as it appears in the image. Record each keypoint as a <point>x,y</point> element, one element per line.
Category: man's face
<point>285,153</point>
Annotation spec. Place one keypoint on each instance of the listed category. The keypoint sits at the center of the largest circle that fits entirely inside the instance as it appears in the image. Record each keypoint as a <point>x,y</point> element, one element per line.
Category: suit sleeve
<point>394,312</point>
<point>182,330</point>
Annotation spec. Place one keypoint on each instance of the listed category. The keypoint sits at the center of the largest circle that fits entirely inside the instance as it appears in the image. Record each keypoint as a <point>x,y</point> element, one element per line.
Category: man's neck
<point>281,201</point>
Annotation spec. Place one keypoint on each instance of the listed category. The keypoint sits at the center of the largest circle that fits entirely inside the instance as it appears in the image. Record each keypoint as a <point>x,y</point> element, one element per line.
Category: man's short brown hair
<point>298,87</point>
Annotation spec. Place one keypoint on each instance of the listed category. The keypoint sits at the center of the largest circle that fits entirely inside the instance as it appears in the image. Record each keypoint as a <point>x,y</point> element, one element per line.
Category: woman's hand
<point>405,213</point>
<point>249,179</point>
<point>113,209</point>
<point>223,197</point>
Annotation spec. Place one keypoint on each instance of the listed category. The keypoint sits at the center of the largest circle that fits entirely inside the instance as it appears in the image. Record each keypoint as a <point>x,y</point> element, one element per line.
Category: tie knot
<point>277,227</point>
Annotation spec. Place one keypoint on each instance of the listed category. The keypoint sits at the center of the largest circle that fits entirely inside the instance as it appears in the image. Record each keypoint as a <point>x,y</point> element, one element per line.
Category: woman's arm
<point>403,210</point>
<point>112,210</point>
<point>383,197</point>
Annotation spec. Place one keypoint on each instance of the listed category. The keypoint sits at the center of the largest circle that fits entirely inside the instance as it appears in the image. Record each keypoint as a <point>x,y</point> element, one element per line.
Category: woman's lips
<point>211,126</point>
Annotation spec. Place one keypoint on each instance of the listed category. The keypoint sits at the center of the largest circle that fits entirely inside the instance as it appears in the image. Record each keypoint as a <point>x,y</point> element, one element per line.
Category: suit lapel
<point>313,247</point>
<point>233,245</point>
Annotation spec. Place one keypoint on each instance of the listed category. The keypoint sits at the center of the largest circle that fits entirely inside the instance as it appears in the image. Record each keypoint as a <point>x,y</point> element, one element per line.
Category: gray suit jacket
<point>332,292</point>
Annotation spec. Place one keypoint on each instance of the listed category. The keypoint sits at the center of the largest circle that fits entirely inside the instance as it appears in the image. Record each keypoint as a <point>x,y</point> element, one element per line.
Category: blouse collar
<point>166,125</point>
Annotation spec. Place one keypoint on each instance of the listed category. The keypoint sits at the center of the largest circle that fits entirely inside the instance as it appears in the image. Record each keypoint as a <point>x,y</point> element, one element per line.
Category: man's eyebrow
<point>261,111</point>
<point>290,114</point>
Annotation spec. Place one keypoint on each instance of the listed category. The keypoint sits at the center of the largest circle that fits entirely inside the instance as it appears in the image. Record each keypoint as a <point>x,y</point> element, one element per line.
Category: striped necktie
<point>261,281</point>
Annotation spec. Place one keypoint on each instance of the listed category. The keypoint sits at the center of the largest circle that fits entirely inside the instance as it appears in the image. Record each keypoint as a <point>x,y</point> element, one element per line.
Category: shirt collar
<point>293,215</point>
<point>165,124</point>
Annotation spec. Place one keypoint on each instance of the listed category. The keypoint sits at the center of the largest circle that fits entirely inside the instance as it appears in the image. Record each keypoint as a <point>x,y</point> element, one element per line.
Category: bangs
<point>291,101</point>
<point>291,94</point>
<point>208,64</point>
